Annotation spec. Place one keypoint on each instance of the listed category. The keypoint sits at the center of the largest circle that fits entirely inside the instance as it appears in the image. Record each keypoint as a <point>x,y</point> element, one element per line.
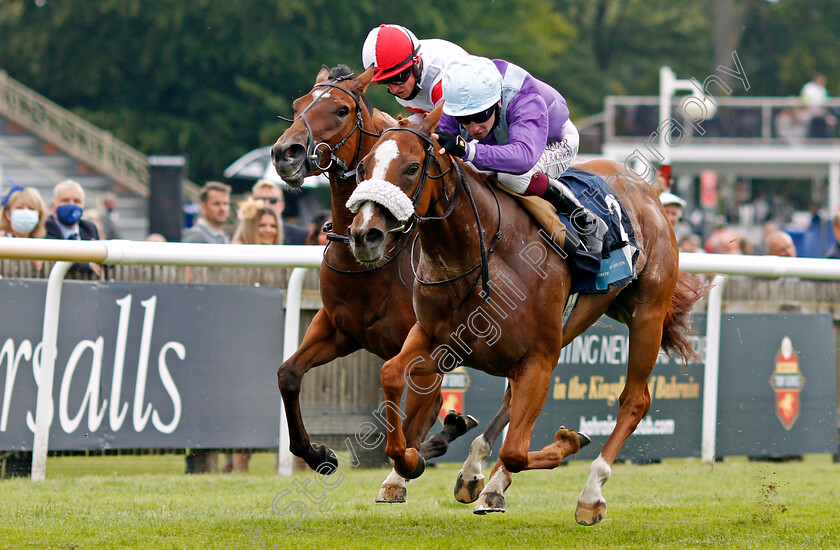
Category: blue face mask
<point>24,221</point>
<point>69,214</point>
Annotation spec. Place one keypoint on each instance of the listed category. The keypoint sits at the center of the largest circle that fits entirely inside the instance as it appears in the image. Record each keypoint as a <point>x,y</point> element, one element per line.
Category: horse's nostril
<point>373,238</point>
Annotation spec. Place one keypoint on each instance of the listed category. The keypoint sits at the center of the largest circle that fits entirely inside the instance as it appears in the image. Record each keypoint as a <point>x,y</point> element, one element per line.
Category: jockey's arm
<point>527,137</point>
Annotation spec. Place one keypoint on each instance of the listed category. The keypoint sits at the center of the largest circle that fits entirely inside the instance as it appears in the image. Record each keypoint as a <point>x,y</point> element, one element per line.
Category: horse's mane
<point>342,72</point>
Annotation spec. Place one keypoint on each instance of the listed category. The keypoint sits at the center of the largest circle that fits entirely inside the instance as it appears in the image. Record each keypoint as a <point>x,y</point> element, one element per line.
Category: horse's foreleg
<point>634,403</point>
<point>470,480</point>
<point>322,343</point>
<point>492,498</point>
<point>529,388</point>
<point>421,410</point>
<point>412,359</point>
<point>422,403</point>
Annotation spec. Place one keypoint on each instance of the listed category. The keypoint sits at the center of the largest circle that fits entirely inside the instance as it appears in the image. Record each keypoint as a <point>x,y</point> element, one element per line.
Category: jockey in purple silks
<point>501,119</point>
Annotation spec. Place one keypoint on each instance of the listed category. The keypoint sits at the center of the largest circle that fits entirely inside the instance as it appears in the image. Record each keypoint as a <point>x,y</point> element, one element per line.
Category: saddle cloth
<point>591,273</point>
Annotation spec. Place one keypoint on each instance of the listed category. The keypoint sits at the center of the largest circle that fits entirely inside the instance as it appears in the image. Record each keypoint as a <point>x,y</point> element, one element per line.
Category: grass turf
<point>147,502</point>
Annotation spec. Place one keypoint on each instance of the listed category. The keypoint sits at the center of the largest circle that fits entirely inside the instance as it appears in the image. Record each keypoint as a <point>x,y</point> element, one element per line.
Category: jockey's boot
<point>590,228</point>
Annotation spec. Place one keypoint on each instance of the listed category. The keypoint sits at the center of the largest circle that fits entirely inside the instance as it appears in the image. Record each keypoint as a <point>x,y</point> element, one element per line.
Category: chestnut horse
<point>370,308</point>
<point>479,303</point>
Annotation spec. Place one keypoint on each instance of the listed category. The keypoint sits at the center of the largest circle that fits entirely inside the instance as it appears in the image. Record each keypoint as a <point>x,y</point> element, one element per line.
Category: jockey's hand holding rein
<point>450,143</point>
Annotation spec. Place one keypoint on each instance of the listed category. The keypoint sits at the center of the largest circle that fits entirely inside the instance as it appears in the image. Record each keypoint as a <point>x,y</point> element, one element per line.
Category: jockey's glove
<point>454,145</point>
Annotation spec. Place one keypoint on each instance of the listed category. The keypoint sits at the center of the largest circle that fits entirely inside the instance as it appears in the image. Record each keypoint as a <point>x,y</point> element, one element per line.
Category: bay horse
<point>480,304</point>
<point>370,308</point>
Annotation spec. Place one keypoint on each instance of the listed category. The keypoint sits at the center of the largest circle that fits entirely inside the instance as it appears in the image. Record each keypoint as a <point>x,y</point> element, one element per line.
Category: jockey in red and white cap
<point>411,69</point>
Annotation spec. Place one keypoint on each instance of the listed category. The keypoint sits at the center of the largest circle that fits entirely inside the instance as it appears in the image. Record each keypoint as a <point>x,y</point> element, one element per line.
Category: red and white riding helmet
<point>390,49</point>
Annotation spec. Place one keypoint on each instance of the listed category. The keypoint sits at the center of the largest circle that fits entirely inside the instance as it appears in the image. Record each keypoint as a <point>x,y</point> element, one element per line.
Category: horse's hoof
<point>590,514</point>
<point>467,491</point>
<point>322,459</point>
<point>417,471</point>
<point>489,503</point>
<point>565,434</point>
<point>462,422</point>
<point>391,494</point>
<point>583,439</point>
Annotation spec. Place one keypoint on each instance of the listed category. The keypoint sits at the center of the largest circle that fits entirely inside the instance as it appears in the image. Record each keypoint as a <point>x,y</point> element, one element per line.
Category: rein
<point>484,262</point>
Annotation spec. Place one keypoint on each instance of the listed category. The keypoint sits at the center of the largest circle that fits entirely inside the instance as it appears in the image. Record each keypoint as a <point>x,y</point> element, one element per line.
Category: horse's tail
<point>677,326</point>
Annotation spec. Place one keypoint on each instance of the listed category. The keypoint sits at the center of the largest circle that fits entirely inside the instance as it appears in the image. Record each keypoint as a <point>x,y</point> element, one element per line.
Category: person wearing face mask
<point>24,215</point>
<point>66,221</point>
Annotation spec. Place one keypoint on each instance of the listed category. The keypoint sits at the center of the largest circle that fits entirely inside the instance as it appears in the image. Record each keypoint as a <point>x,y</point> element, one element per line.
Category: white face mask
<point>24,220</point>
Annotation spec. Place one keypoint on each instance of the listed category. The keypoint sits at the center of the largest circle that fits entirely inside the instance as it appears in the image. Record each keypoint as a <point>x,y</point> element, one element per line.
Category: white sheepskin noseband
<point>382,192</point>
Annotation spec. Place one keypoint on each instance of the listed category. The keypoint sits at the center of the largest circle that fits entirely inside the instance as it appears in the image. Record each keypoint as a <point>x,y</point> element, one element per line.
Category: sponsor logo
<point>452,390</point>
<point>787,382</point>
<point>648,426</point>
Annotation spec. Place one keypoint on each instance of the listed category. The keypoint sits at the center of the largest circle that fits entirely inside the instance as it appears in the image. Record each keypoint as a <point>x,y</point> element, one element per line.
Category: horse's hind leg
<point>470,480</point>
<point>455,425</point>
<point>529,388</point>
<point>634,403</point>
<point>322,343</point>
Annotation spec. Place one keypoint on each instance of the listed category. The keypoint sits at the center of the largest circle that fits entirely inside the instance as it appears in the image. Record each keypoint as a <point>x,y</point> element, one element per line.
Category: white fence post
<point>710,373</point>
<point>290,345</point>
<point>44,407</point>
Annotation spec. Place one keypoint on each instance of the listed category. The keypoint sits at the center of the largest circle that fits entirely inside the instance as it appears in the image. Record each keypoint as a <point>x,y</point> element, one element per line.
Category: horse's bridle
<point>313,162</point>
<point>315,153</point>
<point>462,183</point>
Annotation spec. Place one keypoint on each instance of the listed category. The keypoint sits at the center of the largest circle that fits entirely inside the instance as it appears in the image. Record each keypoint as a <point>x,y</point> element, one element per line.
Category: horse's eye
<point>343,112</point>
<point>412,169</point>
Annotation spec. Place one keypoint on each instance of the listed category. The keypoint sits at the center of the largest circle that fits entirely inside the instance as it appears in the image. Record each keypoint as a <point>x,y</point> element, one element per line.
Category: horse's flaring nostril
<point>373,238</point>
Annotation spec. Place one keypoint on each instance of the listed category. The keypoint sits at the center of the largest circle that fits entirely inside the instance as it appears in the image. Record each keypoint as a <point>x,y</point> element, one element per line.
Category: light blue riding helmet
<point>470,86</point>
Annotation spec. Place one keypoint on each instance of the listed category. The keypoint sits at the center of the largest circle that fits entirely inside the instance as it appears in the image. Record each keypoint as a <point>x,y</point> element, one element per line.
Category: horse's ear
<point>431,120</point>
<point>365,78</point>
<point>323,74</point>
<point>382,121</point>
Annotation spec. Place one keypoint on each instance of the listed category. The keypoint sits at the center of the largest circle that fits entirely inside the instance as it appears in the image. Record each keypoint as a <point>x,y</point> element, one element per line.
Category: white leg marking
<point>599,473</point>
<point>479,451</point>
<point>394,479</point>
<point>498,483</point>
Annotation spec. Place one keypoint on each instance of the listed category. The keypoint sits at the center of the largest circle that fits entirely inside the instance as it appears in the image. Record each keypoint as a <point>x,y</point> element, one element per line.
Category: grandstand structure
<point>41,144</point>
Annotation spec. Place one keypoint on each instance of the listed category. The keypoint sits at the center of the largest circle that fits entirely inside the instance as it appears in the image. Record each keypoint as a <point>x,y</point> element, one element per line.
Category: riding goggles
<point>399,78</point>
<point>479,117</point>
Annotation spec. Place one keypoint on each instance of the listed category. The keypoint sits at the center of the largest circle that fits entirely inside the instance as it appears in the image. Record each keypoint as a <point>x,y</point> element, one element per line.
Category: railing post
<point>44,409</point>
<point>710,373</point>
<point>290,344</point>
